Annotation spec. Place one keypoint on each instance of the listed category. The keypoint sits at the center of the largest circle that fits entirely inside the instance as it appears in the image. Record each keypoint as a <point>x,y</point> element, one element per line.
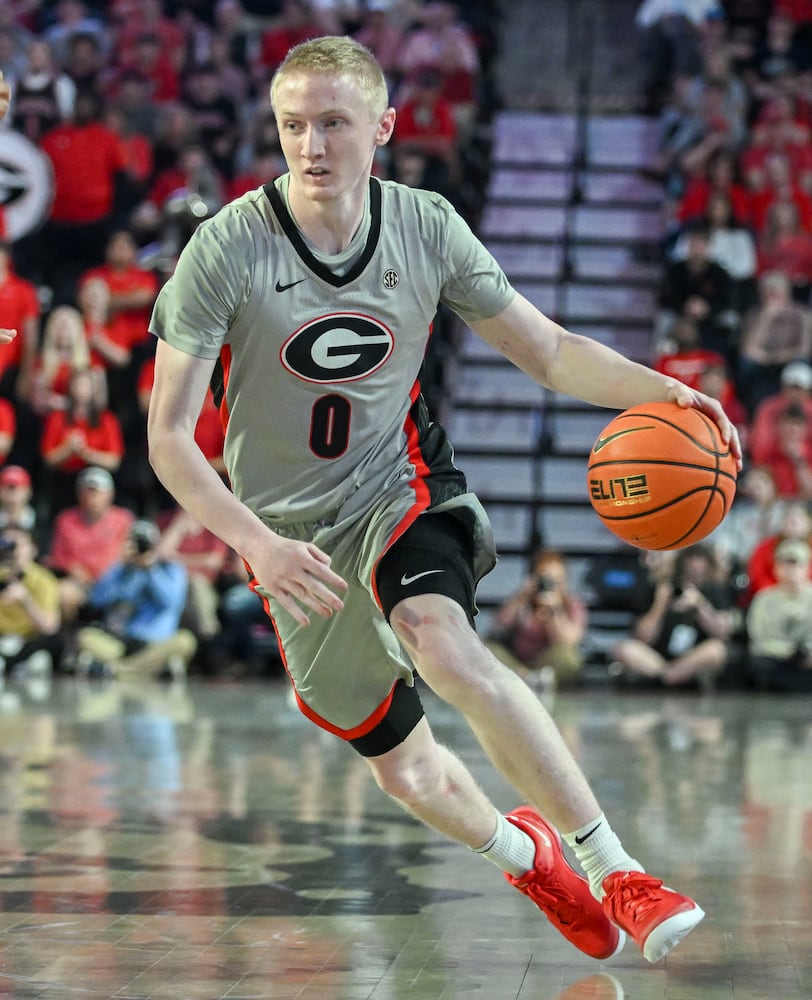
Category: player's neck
<point>330,225</point>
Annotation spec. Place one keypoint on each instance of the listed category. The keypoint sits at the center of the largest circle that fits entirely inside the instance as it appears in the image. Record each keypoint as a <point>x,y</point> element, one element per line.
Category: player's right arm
<point>294,573</point>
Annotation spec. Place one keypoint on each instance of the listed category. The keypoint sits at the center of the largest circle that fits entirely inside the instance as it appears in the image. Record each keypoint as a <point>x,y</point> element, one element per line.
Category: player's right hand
<point>6,336</point>
<point>297,576</point>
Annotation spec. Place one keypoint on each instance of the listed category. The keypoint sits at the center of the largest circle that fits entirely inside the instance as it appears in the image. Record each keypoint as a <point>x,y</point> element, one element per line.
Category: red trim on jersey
<point>345,734</point>
<point>225,361</point>
<point>418,484</point>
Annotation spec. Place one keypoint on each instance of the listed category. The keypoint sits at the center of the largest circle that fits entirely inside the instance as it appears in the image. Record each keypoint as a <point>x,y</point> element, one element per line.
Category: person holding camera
<point>29,606</point>
<point>539,630</point>
<point>683,637</point>
<point>139,600</point>
<point>779,624</point>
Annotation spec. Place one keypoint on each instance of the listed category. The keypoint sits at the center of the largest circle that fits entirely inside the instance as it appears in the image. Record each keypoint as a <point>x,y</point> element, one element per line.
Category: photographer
<point>140,600</point>
<point>779,624</point>
<point>683,637</point>
<point>29,606</point>
<point>539,630</point>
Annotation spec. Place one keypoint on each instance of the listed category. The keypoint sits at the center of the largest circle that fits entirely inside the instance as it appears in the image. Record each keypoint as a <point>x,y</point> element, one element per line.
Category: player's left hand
<point>686,397</point>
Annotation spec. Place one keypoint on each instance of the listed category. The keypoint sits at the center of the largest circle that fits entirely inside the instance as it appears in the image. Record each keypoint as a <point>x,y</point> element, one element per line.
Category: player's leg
<point>436,787</point>
<point>523,742</point>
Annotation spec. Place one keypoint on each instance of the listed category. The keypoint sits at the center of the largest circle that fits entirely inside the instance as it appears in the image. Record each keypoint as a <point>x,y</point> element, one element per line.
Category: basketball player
<point>309,302</point>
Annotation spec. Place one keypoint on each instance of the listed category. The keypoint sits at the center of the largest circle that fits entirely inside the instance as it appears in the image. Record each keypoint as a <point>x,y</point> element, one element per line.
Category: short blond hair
<point>337,55</point>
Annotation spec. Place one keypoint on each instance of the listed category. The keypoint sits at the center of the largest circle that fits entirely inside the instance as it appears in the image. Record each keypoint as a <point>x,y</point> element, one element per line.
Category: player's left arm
<point>586,369</point>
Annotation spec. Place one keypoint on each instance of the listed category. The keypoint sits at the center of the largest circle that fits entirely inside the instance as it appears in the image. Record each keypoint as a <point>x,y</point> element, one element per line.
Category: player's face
<point>328,134</point>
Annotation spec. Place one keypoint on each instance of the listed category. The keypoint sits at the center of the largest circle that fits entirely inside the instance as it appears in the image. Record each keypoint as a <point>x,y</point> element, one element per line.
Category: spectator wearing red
<point>89,164</point>
<point>148,17</point>
<point>8,427</point>
<point>795,390</point>
<point>86,433</point>
<point>777,182</point>
<point>132,291</point>
<point>795,524</point>
<point>788,455</point>
<point>444,43</point>
<point>426,121</point>
<point>686,359</point>
<point>88,537</point>
<point>296,24</point>
<point>64,350</point>
<point>20,311</point>
<point>720,176</point>
<point>784,245</point>
<point>151,62</point>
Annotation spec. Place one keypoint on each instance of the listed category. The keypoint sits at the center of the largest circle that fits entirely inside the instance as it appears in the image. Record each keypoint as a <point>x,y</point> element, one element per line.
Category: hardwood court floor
<point>207,842</point>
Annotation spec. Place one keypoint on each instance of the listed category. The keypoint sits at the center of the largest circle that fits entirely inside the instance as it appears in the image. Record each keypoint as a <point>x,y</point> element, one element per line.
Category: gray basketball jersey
<point>320,393</point>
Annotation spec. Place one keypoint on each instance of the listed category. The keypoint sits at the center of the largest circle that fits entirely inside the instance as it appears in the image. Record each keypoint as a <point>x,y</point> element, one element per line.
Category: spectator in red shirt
<point>87,538</point>
<point>86,433</point>
<point>685,359</point>
<point>426,121</point>
<point>296,24</point>
<point>784,245</point>
<point>720,176</point>
<point>89,164</point>
<point>20,311</point>
<point>132,291</point>
<point>795,389</point>
<point>8,428</point>
<point>153,64</point>
<point>788,456</point>
<point>64,350</point>
<point>795,524</point>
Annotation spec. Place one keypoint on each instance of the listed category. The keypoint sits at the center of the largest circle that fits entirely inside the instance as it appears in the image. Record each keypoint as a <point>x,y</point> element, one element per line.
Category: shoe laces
<point>637,894</point>
<point>554,898</point>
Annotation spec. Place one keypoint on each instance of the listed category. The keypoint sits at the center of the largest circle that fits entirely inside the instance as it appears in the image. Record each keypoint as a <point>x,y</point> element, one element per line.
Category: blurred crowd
<point>730,85</point>
<point>148,116</point>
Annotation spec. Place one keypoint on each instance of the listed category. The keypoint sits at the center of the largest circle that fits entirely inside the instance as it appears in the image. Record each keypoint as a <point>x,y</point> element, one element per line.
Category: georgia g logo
<point>341,347</point>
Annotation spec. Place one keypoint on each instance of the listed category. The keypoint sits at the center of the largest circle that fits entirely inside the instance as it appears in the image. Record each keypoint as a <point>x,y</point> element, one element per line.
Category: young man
<point>311,301</point>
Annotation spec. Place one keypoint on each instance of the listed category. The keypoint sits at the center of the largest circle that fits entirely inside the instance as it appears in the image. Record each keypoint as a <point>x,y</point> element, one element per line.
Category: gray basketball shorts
<point>350,673</point>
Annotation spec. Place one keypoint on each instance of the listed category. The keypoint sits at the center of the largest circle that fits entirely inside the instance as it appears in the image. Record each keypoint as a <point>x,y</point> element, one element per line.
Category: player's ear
<point>386,126</point>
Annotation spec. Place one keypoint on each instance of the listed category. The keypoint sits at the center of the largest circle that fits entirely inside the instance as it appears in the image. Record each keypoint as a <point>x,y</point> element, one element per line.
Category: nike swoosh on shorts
<point>406,580</point>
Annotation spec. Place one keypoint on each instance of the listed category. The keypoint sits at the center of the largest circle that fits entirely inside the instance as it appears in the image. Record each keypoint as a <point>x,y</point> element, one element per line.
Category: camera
<point>144,536</point>
<point>544,585</point>
<point>8,562</point>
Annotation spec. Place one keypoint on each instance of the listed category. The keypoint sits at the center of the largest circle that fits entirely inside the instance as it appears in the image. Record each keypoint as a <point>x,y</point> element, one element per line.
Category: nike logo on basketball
<point>406,580</point>
<point>586,836</point>
<point>602,442</point>
<point>283,288</point>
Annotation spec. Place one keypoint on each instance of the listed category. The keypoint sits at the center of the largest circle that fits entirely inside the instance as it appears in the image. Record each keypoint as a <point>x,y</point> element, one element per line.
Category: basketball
<point>660,476</point>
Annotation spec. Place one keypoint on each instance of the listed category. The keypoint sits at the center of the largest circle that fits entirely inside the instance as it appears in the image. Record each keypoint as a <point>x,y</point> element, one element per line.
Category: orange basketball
<point>660,477</point>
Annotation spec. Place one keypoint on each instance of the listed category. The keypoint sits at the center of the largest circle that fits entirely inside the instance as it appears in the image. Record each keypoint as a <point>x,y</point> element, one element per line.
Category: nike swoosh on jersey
<point>406,580</point>
<point>283,288</point>
<point>602,442</point>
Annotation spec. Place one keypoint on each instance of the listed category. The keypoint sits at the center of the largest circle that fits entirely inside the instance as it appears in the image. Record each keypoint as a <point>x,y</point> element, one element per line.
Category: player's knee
<point>409,782</point>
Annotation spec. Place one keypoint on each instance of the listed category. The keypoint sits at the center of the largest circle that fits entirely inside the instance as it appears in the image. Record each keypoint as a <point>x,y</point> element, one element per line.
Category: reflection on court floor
<point>205,841</point>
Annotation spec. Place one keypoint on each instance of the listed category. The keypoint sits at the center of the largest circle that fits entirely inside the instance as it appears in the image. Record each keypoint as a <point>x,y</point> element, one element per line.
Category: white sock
<point>510,848</point>
<point>599,852</point>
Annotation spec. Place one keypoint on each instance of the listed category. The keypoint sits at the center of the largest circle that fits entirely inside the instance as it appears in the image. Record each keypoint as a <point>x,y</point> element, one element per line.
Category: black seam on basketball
<point>711,487</point>
<point>681,430</point>
<point>663,462</point>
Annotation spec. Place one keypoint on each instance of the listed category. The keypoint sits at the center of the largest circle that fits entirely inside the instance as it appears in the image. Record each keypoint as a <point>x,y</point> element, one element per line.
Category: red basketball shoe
<point>561,893</point>
<point>657,918</point>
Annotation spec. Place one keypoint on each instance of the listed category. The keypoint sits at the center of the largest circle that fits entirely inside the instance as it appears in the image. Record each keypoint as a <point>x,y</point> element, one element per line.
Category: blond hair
<point>339,56</point>
<point>71,319</point>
